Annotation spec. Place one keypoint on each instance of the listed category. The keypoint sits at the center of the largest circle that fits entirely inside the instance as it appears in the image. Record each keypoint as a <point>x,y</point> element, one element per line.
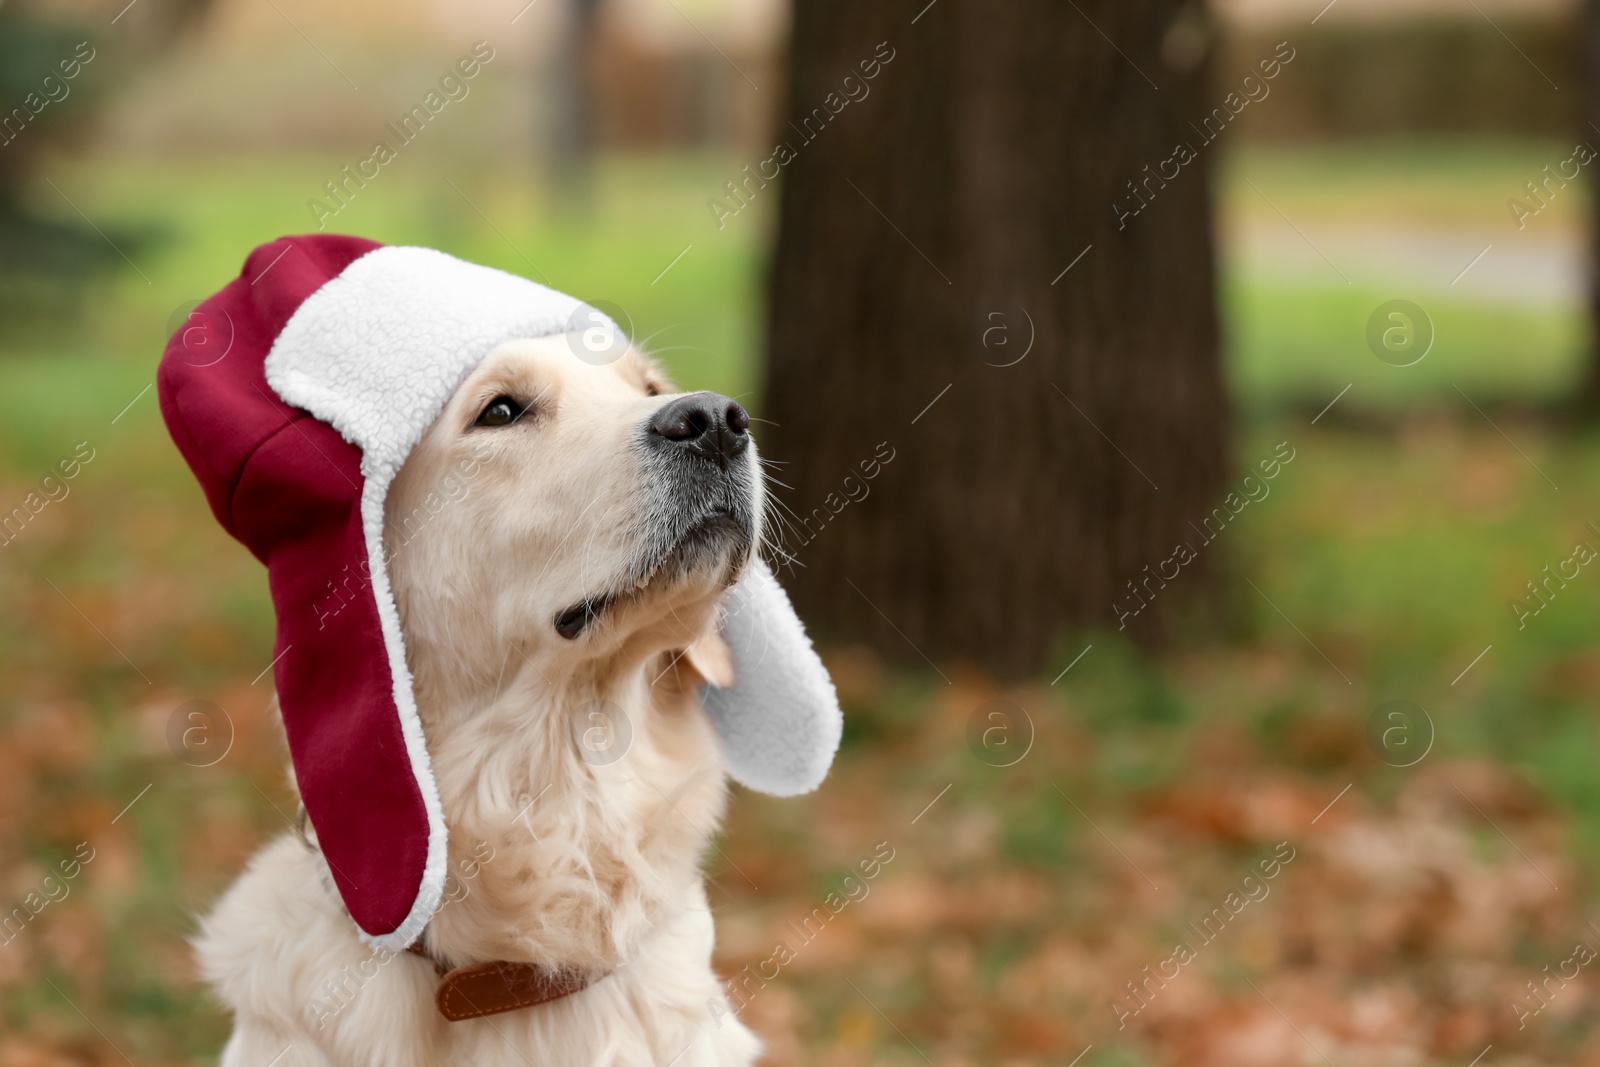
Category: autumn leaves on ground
<point>1224,856</point>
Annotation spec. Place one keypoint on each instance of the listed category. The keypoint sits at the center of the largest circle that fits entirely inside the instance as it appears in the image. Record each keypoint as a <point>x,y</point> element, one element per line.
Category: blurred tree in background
<point>983,232</point>
<point>571,121</point>
<point>54,73</point>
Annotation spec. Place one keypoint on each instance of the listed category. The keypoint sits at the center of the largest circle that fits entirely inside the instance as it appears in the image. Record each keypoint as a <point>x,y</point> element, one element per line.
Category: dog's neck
<point>579,796</point>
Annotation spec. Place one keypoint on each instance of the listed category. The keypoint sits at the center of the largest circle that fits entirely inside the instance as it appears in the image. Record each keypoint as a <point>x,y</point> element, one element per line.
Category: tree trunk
<point>570,113</point>
<point>926,233</point>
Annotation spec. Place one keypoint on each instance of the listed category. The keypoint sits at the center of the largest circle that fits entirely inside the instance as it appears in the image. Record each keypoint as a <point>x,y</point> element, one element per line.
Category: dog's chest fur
<point>597,868</point>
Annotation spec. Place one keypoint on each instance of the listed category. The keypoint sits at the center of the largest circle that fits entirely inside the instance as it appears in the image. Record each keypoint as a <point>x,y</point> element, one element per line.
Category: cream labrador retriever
<point>562,617</point>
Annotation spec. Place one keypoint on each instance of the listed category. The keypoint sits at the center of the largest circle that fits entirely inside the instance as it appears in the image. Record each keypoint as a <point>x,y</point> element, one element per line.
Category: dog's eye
<point>502,411</point>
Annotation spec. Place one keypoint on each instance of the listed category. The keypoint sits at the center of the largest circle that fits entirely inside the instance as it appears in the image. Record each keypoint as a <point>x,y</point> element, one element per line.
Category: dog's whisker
<point>776,527</point>
<point>780,559</point>
<point>670,326</point>
<point>768,473</point>
<point>772,479</point>
<point>779,537</point>
<point>779,502</point>
<point>777,510</point>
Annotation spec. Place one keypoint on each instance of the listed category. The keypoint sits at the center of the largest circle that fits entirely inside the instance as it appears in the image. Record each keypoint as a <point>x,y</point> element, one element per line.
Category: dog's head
<point>584,512</point>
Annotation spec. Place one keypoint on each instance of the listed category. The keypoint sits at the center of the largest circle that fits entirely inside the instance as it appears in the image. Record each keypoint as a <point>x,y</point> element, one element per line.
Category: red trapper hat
<point>295,394</point>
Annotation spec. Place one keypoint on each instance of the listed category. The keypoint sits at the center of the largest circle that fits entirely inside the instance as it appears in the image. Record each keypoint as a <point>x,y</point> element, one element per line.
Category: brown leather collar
<point>480,989</point>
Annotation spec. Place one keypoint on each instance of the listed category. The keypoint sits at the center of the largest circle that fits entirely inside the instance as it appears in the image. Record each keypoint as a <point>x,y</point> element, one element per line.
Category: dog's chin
<point>707,556</point>
<point>714,548</point>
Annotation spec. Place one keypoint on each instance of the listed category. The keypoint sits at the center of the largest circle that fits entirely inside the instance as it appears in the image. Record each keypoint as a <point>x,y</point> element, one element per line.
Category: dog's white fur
<point>557,858</point>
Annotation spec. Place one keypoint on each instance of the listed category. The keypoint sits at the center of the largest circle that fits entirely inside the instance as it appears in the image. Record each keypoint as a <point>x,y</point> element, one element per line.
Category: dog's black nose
<point>709,425</point>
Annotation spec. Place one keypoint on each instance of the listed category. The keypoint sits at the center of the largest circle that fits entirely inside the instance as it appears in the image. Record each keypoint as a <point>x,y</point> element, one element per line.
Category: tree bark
<point>925,236</point>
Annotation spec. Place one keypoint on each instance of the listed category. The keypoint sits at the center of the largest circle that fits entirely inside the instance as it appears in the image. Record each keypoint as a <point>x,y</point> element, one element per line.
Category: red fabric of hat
<point>288,486</point>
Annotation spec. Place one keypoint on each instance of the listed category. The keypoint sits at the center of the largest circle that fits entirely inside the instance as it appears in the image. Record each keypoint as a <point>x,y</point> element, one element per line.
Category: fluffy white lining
<point>376,353</point>
<point>780,723</point>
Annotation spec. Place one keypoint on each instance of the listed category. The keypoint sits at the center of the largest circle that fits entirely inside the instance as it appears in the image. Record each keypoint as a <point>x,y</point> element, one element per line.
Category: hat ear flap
<point>780,721</point>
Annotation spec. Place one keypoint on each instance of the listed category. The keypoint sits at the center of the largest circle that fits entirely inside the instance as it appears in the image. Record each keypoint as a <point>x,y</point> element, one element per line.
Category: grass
<point>1386,561</point>
<point>1416,180</point>
<point>1495,355</point>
